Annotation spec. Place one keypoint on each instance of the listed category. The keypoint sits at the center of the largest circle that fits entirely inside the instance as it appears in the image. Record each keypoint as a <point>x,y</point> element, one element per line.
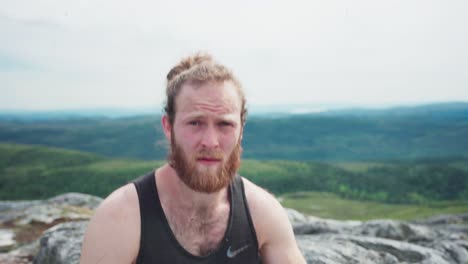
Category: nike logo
<point>233,253</point>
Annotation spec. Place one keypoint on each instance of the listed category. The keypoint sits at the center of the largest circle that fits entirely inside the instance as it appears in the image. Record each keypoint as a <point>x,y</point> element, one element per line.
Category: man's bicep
<point>274,232</point>
<point>281,246</point>
<point>95,243</point>
<point>272,255</point>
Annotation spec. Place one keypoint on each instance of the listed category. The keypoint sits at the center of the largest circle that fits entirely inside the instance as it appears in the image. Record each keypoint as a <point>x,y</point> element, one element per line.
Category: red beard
<point>207,180</point>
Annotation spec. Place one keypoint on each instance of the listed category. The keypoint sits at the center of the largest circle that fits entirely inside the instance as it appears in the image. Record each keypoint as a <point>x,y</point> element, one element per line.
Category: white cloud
<point>116,53</point>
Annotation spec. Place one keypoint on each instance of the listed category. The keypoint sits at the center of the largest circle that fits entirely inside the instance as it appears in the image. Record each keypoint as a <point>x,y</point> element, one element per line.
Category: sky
<point>110,53</point>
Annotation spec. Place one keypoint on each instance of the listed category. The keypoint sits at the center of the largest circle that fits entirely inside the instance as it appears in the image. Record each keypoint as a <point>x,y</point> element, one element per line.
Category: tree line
<point>34,172</point>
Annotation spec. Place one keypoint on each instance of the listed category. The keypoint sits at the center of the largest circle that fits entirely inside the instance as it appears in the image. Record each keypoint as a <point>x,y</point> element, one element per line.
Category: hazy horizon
<point>313,108</point>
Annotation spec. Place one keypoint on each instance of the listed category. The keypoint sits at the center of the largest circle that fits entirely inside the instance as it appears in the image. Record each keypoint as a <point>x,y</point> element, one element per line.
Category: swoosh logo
<point>232,253</point>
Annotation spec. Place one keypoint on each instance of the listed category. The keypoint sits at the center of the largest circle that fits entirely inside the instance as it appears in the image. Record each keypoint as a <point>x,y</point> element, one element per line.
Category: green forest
<point>35,172</point>
<point>400,163</point>
<point>398,134</point>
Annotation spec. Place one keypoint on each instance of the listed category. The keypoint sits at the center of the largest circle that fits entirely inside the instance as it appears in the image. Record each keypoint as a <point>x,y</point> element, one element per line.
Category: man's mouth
<point>208,160</point>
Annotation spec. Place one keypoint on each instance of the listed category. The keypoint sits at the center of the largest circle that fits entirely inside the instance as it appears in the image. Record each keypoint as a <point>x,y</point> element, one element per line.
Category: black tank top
<point>159,245</point>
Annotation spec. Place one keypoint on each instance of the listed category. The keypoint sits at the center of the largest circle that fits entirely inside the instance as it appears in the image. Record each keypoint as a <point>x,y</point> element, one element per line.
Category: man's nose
<point>210,137</point>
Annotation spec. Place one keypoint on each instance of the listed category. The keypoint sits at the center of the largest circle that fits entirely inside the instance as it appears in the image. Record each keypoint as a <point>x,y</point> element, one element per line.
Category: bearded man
<point>195,208</point>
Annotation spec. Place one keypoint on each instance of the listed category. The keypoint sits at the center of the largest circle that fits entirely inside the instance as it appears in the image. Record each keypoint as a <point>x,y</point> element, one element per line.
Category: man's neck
<point>178,193</point>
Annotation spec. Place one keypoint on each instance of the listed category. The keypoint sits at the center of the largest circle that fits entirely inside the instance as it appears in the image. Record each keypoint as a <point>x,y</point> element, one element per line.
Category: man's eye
<point>225,124</point>
<point>195,123</point>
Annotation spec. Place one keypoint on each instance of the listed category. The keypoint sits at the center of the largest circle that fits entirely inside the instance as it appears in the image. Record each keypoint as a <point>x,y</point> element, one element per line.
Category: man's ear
<point>241,133</point>
<point>167,127</point>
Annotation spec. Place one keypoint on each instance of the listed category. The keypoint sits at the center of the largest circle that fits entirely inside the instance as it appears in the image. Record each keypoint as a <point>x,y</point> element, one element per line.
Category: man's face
<point>206,135</point>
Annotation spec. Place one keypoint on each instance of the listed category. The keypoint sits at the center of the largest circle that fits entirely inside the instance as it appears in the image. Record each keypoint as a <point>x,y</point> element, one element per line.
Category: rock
<point>443,219</point>
<point>440,239</point>
<point>22,255</point>
<point>313,225</point>
<point>16,205</point>
<point>319,226</point>
<point>453,228</point>
<point>453,250</point>
<point>378,241</point>
<point>295,217</point>
<point>49,213</point>
<point>6,240</point>
<point>338,248</point>
<point>395,230</point>
<point>70,206</point>
<point>25,221</point>
<point>14,259</point>
<point>330,249</point>
<point>62,243</point>
<point>12,209</point>
<point>76,199</point>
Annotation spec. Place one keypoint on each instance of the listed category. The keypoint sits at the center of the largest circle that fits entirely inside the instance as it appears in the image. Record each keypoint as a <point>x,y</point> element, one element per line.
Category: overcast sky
<point>108,53</point>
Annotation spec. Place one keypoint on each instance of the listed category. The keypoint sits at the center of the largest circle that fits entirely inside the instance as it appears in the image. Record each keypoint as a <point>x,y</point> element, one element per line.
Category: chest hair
<point>200,234</point>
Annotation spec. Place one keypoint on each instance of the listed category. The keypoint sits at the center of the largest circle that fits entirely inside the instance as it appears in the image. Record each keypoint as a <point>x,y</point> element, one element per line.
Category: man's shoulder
<point>262,204</point>
<point>124,197</point>
<point>121,207</point>
<point>265,209</point>
<point>257,196</point>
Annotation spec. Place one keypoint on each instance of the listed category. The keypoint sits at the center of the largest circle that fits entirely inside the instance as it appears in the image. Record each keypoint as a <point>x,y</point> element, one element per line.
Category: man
<point>195,208</point>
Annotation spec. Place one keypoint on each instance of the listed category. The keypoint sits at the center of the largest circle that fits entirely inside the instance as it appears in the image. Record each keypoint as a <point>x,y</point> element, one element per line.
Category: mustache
<point>212,154</point>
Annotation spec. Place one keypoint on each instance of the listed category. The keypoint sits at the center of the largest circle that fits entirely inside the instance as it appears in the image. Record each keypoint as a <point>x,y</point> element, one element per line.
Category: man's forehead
<point>216,97</point>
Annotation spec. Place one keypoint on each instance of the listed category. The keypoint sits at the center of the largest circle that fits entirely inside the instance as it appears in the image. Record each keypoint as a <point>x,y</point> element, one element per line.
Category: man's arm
<point>113,234</point>
<point>274,232</point>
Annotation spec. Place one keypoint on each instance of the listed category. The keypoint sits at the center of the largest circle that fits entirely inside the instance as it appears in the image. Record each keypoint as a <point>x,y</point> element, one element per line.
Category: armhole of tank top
<point>142,224</point>
<point>249,216</point>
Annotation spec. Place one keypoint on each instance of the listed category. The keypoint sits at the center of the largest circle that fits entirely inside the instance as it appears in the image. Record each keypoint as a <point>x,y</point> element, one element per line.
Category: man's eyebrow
<point>225,117</point>
<point>203,114</point>
<point>194,116</point>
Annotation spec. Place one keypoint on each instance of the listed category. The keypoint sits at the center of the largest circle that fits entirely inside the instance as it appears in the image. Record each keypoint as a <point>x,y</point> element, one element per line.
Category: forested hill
<point>353,134</point>
<point>32,172</point>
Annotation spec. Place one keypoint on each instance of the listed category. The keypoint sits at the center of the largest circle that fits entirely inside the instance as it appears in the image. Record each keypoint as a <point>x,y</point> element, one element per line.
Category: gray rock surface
<point>379,241</point>
<point>340,248</point>
<point>7,240</point>
<point>23,222</point>
<point>22,255</point>
<point>16,205</point>
<point>76,199</point>
<point>62,221</point>
<point>70,206</point>
<point>62,243</point>
<point>443,219</point>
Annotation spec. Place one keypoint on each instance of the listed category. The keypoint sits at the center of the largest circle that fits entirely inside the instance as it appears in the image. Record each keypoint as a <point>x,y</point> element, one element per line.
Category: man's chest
<point>199,236</point>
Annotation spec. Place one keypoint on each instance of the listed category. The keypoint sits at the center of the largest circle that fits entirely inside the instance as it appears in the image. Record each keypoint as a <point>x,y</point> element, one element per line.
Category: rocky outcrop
<point>380,241</point>
<point>22,223</point>
<point>62,243</point>
<point>6,240</point>
<point>58,225</point>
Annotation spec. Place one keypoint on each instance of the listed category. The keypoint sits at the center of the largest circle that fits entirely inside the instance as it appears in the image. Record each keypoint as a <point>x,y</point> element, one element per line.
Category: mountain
<point>427,131</point>
<point>31,115</point>
<point>35,172</point>
<point>274,110</point>
<point>441,110</point>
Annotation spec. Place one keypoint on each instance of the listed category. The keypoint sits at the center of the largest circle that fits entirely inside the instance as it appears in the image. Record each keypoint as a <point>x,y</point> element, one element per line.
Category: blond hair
<point>199,68</point>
